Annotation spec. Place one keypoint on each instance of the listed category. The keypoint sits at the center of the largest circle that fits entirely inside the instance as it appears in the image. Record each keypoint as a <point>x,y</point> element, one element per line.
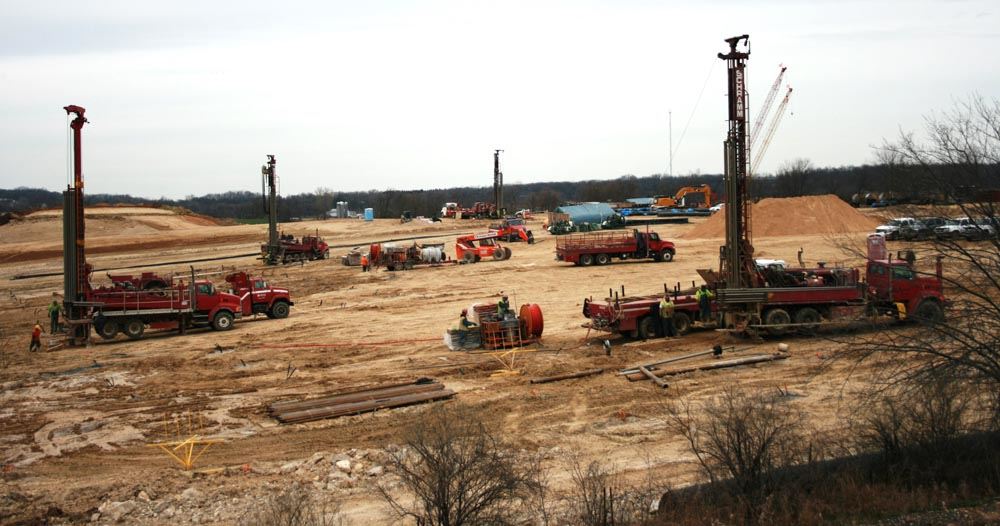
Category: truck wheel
<point>468,257</point>
<point>647,327</point>
<point>478,259</point>
<point>108,330</point>
<point>326,254</point>
<point>666,256</point>
<point>531,238</point>
<point>682,323</point>
<point>279,310</point>
<point>586,260</point>
<point>506,253</point>
<point>929,312</point>
<point>223,321</point>
<point>408,265</point>
<point>134,328</point>
<point>810,316</point>
<point>602,259</point>
<point>498,254</point>
<point>777,317</point>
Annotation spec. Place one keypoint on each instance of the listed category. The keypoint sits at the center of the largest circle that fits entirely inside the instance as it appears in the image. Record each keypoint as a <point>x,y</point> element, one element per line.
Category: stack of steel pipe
<point>359,401</point>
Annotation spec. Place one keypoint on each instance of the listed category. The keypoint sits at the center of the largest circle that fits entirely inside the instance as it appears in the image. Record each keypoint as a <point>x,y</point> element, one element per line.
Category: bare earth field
<point>75,423</point>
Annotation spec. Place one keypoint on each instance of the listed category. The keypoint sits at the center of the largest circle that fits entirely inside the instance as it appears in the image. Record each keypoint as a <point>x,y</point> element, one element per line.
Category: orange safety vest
<point>364,260</point>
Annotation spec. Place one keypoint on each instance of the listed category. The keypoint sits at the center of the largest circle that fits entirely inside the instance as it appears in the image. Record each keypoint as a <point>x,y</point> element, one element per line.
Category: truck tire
<point>531,238</point>
<point>777,317</point>
<point>506,253</point>
<point>223,321</point>
<point>108,330</point>
<point>602,259</point>
<point>665,256</point>
<point>326,254</point>
<point>478,259</point>
<point>810,316</point>
<point>682,323</point>
<point>408,265</point>
<point>279,310</point>
<point>498,254</point>
<point>468,257</point>
<point>586,260</point>
<point>134,328</point>
<point>929,312</point>
<point>647,327</point>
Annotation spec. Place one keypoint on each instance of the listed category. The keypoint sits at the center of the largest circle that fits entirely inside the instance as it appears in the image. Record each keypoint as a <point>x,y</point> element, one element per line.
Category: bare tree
<point>741,439</point>
<point>294,506</point>
<point>458,471</point>
<point>957,163</point>
<point>793,178</point>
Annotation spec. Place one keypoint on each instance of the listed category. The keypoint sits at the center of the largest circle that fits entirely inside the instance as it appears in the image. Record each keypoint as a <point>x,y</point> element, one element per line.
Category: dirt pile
<point>790,216</point>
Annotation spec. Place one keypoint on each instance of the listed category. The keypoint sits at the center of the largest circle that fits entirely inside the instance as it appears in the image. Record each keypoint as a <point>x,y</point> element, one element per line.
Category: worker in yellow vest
<point>667,317</point>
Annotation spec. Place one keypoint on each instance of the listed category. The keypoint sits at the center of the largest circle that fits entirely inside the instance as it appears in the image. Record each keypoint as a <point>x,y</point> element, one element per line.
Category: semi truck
<point>601,248</point>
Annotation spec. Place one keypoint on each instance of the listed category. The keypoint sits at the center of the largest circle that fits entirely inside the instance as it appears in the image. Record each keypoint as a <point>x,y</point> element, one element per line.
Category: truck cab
<point>895,285</point>
<point>257,296</point>
<point>214,307</point>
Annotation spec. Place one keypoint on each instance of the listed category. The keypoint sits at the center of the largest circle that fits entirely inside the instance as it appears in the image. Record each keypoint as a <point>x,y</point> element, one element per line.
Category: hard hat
<point>465,311</point>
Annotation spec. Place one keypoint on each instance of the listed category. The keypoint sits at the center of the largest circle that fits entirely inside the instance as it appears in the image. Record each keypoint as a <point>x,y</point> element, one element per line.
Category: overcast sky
<point>188,97</point>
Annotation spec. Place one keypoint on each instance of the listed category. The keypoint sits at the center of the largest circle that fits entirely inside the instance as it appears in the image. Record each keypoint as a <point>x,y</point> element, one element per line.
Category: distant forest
<point>798,177</point>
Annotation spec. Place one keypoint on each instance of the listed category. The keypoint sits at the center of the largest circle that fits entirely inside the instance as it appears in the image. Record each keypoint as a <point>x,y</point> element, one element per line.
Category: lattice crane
<point>770,131</point>
<point>765,109</point>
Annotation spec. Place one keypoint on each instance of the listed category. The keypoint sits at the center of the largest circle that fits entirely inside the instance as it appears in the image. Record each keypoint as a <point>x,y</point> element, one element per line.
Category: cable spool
<point>531,314</point>
<point>431,254</point>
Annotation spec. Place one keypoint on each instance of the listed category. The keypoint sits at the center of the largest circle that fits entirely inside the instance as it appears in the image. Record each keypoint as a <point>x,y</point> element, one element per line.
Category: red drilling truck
<point>602,247</point>
<point>793,299</point>
<point>124,308</point>
<point>257,296</point>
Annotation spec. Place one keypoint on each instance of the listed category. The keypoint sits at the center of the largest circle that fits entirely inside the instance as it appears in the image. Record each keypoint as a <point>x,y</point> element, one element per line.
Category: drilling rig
<point>269,193</point>
<point>74,258</point>
<point>497,185</point>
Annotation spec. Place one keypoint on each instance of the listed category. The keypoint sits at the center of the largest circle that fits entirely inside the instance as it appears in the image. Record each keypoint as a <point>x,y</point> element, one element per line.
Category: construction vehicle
<point>472,248</point>
<point>603,247</point>
<point>120,308</point>
<point>257,296</point>
<point>282,248</point>
<point>513,229</point>
<point>125,306</point>
<point>292,249</point>
<point>398,257</point>
<point>750,298</point>
<point>687,197</point>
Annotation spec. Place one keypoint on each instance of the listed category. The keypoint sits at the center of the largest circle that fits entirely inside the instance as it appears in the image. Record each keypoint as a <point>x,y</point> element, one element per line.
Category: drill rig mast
<point>736,257</point>
<point>268,180</point>
<point>497,184</point>
<point>74,257</point>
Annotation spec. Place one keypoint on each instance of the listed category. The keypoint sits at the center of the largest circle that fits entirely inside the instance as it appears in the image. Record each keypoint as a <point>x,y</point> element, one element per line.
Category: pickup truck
<point>967,228</point>
<point>601,247</point>
<point>893,229</point>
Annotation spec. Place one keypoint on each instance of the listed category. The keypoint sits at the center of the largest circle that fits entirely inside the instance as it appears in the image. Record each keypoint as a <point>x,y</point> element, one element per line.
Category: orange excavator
<point>688,197</point>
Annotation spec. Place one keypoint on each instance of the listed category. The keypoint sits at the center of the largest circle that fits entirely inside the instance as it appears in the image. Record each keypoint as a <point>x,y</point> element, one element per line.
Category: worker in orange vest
<point>36,338</point>
<point>364,262</point>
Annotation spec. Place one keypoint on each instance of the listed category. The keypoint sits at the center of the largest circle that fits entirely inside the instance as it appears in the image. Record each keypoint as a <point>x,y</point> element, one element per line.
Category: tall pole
<point>497,184</point>
<point>271,207</point>
<point>75,279</point>
<point>670,125</point>
<point>736,257</point>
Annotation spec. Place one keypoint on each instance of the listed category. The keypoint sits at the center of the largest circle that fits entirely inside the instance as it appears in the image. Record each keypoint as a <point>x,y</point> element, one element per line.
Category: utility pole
<point>670,125</point>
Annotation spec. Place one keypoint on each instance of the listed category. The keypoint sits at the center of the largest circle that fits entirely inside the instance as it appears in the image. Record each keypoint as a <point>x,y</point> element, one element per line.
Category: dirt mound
<point>789,216</point>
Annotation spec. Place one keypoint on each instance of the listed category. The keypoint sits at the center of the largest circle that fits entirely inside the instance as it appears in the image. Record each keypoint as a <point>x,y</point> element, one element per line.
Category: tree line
<point>794,178</point>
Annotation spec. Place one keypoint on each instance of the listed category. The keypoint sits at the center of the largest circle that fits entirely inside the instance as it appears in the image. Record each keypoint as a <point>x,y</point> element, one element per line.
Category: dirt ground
<point>76,423</point>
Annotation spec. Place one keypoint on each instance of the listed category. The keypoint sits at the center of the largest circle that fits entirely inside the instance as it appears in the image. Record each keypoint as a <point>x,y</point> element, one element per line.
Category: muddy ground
<point>76,423</point>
